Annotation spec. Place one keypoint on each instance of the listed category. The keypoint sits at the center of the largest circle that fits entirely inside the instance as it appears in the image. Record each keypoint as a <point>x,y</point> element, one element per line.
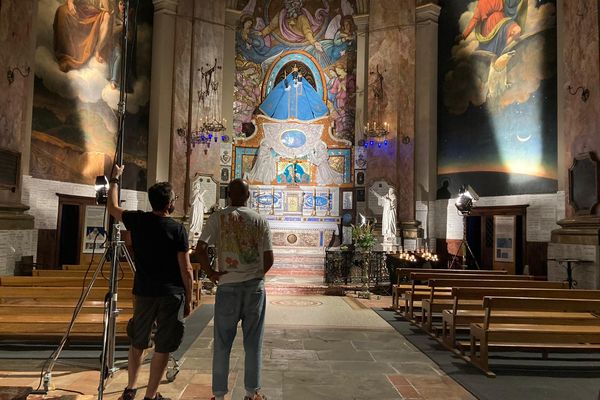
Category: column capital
<point>428,13</point>
<point>161,6</point>
<point>232,16</point>
<point>361,21</point>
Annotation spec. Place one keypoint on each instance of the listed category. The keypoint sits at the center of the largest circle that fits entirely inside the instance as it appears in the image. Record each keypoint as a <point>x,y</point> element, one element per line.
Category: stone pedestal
<point>388,244</point>
<point>577,239</point>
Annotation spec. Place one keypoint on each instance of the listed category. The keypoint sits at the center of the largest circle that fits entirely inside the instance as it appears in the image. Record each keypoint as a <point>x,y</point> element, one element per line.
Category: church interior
<point>428,170</point>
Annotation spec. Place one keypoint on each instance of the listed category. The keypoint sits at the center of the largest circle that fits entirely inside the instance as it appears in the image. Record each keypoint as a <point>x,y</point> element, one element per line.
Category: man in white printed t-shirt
<point>244,255</point>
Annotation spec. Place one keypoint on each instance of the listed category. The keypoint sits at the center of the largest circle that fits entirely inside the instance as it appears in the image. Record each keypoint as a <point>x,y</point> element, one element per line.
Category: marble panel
<point>580,67</point>
<point>17,35</point>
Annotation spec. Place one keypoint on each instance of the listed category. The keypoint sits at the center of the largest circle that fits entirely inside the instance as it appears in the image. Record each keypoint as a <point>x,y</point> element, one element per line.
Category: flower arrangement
<point>362,236</point>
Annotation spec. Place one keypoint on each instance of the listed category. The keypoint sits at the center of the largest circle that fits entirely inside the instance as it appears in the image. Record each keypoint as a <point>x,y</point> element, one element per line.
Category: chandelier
<point>210,126</point>
<point>375,132</point>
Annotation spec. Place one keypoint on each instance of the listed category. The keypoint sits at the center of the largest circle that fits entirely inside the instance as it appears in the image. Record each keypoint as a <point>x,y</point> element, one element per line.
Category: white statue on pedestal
<point>196,212</point>
<point>264,166</point>
<point>388,221</point>
<point>325,174</point>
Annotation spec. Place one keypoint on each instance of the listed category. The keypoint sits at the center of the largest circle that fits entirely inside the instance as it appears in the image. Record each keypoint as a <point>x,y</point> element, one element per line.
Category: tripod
<point>464,246</point>
<point>113,253</point>
<point>116,248</point>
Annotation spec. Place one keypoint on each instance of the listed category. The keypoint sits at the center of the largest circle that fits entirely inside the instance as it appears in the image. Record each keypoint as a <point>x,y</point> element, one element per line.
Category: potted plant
<point>364,240</point>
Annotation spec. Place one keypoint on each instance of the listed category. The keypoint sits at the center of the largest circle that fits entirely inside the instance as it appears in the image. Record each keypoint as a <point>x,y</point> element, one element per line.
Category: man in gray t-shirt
<point>244,255</point>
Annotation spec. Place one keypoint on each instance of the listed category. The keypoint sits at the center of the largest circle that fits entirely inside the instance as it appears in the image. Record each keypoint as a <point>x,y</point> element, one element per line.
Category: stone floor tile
<point>278,365</point>
<point>281,354</point>
<point>303,365</point>
<point>310,378</point>
<point>284,343</point>
<point>328,344</point>
<point>399,356</point>
<point>416,368</point>
<point>362,367</point>
<point>336,355</point>
<point>374,345</point>
<point>335,334</point>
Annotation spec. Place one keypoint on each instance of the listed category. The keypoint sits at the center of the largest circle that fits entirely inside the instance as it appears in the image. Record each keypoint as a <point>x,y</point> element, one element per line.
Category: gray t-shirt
<point>241,236</point>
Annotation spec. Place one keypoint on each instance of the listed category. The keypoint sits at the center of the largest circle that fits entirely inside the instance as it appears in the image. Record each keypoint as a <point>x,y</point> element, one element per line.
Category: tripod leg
<point>472,255</point>
<point>455,257</point>
<point>107,367</point>
<point>128,258</point>
<point>76,312</point>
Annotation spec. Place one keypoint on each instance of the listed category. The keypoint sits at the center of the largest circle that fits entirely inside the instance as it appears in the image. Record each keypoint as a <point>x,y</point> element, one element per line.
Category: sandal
<point>128,394</point>
<point>257,396</point>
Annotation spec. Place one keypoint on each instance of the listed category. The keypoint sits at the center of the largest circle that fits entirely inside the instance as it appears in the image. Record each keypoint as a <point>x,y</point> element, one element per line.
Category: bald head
<point>238,192</point>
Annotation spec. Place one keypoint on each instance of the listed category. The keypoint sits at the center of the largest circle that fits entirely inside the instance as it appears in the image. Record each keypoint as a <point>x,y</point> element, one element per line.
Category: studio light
<point>467,197</point>
<point>101,187</point>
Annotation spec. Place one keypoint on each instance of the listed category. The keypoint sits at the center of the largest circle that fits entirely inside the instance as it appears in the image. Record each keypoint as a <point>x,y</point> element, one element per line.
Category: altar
<point>303,222</point>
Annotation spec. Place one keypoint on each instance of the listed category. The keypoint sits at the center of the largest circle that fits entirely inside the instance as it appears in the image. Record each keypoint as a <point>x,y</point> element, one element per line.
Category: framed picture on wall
<point>347,201</point>
<point>94,233</point>
<point>504,238</point>
<point>360,195</point>
<point>359,177</point>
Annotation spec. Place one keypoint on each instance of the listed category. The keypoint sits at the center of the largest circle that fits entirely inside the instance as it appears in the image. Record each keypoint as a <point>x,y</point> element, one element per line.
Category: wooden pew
<point>437,303</point>
<point>73,273</point>
<point>56,293</point>
<point>81,267</point>
<point>458,317</point>
<point>43,326</point>
<point>403,275</point>
<point>544,337</point>
<point>60,281</point>
<point>413,296</point>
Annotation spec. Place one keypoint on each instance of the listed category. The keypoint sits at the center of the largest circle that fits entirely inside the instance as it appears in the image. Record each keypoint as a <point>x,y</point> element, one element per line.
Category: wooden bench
<point>545,337</point>
<point>403,275</point>
<point>60,281</point>
<point>73,273</point>
<point>412,298</point>
<point>460,318</point>
<point>57,293</point>
<point>436,303</point>
<point>44,326</point>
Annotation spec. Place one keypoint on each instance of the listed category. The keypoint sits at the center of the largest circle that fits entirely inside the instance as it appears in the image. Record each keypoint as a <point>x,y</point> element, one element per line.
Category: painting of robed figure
<point>76,92</point>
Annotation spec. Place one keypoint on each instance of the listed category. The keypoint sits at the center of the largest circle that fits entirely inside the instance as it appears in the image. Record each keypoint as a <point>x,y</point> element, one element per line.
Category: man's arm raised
<point>114,208</point>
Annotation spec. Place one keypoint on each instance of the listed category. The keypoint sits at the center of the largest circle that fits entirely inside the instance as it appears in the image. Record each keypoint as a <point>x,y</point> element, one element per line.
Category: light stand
<point>114,251</point>
<point>464,246</point>
<point>464,204</point>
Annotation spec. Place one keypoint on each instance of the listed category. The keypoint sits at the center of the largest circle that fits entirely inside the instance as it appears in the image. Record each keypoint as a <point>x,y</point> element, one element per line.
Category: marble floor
<point>315,347</point>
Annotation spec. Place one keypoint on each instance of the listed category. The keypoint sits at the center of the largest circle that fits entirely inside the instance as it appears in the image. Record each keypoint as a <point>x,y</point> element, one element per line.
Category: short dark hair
<point>160,195</point>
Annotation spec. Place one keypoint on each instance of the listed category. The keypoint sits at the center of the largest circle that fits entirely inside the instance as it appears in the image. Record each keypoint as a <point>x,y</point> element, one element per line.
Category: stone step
<point>292,289</point>
<point>296,272</point>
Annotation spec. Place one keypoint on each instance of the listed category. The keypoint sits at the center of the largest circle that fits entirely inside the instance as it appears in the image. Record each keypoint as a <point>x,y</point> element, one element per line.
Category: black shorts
<point>167,312</point>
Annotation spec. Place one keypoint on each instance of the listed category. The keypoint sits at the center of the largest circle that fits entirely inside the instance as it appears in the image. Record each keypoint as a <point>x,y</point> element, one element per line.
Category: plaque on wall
<point>10,163</point>
<point>360,177</point>
<point>360,195</point>
<point>583,183</point>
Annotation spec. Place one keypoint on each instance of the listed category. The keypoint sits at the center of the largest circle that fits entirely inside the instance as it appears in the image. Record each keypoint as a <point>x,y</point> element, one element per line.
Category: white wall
<point>40,196</point>
<point>440,219</point>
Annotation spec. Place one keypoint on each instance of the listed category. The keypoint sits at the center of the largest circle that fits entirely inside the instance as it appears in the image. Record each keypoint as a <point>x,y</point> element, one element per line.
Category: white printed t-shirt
<point>241,236</point>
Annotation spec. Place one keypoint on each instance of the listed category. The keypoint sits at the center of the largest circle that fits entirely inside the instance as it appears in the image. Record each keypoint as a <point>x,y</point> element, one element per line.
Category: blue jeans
<point>243,301</point>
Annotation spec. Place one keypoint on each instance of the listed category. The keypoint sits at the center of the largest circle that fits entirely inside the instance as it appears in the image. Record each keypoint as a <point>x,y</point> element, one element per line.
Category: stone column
<point>232,17</point>
<point>161,90</point>
<point>426,110</point>
<point>362,74</point>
